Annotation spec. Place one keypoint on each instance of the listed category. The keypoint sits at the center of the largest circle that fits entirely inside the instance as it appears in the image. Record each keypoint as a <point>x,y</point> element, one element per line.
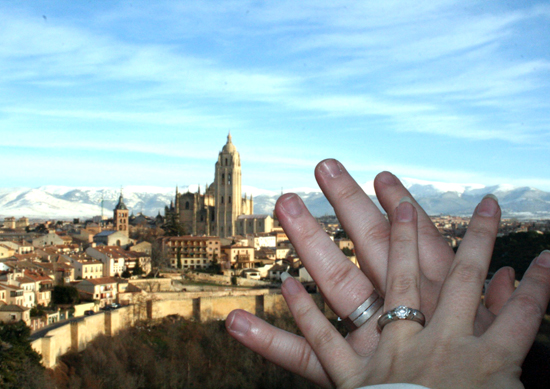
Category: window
<point>229,199</point>
<point>226,162</point>
<point>223,179</point>
<point>187,205</point>
<point>228,178</point>
<point>222,200</point>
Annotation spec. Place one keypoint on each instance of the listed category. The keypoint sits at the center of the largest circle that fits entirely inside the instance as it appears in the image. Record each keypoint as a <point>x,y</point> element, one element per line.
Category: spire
<point>121,204</point>
<point>177,190</point>
<point>199,190</point>
<point>229,147</point>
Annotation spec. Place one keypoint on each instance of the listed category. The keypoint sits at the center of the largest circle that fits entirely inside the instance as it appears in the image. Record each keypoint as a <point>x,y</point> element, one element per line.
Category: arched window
<point>228,178</point>
<point>226,162</point>
<point>229,199</point>
<point>222,200</point>
<point>223,179</point>
<point>187,205</point>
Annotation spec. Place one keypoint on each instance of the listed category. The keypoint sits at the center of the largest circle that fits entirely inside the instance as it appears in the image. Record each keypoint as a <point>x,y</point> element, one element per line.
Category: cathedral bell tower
<point>121,216</point>
<point>227,189</point>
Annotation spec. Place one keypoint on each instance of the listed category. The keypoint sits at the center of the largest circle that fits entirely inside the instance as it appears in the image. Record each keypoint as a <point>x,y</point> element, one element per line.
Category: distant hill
<point>436,198</point>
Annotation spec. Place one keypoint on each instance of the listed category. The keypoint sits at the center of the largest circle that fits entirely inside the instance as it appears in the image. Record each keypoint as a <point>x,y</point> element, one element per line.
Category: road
<point>43,331</point>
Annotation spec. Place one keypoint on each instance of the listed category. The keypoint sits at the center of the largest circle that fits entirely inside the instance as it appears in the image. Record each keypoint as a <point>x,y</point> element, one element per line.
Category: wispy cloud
<point>470,74</point>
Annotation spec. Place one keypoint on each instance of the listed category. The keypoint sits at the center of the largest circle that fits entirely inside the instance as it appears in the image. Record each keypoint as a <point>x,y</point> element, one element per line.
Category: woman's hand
<point>445,353</point>
<point>345,286</point>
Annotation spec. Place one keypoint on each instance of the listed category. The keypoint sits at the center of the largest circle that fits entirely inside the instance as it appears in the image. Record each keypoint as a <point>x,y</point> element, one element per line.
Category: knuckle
<point>310,236</point>
<point>347,193</point>
<point>341,274</point>
<point>402,283</point>
<point>481,229</point>
<point>376,232</point>
<point>495,358</point>
<point>403,239</point>
<point>323,336</point>
<point>304,358</point>
<point>302,311</point>
<point>528,305</point>
<point>268,341</point>
<point>428,230</point>
<point>469,272</point>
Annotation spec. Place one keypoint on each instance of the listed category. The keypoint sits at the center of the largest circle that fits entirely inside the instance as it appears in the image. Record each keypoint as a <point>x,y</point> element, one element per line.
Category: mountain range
<point>61,202</point>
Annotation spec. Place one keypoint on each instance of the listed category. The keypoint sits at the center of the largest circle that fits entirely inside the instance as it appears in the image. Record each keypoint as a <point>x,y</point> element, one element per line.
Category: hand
<point>445,353</point>
<point>345,286</point>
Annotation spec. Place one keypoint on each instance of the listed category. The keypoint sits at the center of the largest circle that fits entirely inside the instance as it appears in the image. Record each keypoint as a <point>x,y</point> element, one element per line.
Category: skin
<point>425,280</point>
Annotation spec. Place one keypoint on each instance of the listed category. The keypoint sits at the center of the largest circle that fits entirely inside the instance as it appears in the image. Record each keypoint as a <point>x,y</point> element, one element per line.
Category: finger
<point>343,284</point>
<point>360,217</point>
<point>436,256</point>
<point>403,283</point>
<point>335,354</point>
<point>519,320</point>
<point>500,289</point>
<point>291,352</point>
<point>461,293</point>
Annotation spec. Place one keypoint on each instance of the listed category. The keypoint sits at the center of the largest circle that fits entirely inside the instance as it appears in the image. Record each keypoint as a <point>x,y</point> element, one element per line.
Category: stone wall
<point>250,282</point>
<point>205,277</point>
<point>76,334</point>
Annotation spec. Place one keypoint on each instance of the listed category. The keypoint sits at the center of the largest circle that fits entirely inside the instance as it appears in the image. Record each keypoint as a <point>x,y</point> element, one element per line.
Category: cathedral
<point>215,212</point>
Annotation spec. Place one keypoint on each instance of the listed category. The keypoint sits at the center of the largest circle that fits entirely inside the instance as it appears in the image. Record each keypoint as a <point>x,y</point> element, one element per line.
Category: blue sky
<point>144,93</point>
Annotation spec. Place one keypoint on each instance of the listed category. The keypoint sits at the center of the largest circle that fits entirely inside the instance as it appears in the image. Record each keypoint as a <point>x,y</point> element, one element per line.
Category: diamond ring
<point>364,312</point>
<point>401,313</point>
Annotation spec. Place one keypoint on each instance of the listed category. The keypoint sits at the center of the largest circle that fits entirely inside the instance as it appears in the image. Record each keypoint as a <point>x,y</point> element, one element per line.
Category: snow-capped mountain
<point>60,202</point>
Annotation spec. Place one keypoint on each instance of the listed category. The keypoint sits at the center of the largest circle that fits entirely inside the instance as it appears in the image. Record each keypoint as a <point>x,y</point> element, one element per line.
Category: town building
<point>102,289</point>
<point>253,224</point>
<point>192,252</point>
<point>239,257</point>
<point>112,238</point>
<point>49,239</point>
<point>116,260</point>
<point>14,313</point>
<point>84,266</point>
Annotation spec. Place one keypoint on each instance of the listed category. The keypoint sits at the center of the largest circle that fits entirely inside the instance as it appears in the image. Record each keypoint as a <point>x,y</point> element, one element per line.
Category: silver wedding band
<point>364,311</point>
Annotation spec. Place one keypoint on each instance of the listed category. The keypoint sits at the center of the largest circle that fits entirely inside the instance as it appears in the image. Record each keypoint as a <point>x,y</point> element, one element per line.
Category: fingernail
<point>331,168</point>
<point>512,274</point>
<point>488,206</point>
<point>292,205</point>
<point>405,210</point>
<point>289,283</point>
<point>544,259</point>
<point>405,200</point>
<point>238,323</point>
<point>387,178</point>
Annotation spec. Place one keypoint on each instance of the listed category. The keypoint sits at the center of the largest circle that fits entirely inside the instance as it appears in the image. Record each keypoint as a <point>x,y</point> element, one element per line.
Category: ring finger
<point>402,285</point>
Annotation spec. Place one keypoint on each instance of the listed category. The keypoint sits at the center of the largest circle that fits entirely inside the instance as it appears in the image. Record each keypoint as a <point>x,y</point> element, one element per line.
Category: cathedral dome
<point>229,146</point>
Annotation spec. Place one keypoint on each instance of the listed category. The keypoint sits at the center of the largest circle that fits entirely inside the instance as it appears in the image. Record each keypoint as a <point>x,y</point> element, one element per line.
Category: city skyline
<point>145,94</point>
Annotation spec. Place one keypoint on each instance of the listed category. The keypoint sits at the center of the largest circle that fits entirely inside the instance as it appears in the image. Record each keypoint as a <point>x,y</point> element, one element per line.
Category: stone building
<point>215,212</point>
<point>120,215</point>
<point>194,252</point>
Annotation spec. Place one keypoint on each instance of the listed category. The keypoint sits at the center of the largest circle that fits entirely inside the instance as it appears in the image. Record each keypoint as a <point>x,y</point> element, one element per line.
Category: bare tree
<point>159,257</point>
